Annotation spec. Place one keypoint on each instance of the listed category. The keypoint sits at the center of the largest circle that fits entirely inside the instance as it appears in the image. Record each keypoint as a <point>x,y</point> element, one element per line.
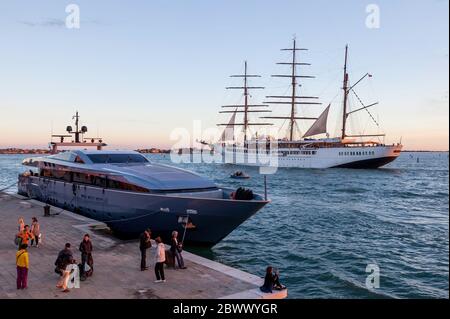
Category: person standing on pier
<point>144,244</point>
<point>176,249</point>
<point>25,236</point>
<point>86,256</point>
<point>36,231</point>
<point>22,264</point>
<point>160,259</point>
<point>21,224</point>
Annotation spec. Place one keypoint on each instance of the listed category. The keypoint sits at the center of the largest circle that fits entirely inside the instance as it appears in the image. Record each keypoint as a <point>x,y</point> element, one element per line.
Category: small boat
<point>239,175</point>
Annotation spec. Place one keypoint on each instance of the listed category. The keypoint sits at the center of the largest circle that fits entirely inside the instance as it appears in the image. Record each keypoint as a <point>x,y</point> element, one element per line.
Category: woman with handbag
<point>36,231</point>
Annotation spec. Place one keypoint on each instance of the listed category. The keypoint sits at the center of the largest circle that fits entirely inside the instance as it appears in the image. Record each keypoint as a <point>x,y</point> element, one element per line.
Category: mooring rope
<point>4,189</point>
<point>130,218</point>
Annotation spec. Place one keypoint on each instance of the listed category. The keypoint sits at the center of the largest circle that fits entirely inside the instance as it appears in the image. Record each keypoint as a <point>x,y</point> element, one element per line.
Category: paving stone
<point>116,262</point>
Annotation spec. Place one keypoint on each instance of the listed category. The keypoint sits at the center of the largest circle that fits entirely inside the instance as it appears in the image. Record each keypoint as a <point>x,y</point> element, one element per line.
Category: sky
<point>138,70</point>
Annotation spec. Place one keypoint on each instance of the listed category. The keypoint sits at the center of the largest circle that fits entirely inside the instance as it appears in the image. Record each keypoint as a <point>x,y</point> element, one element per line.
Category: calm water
<point>324,226</point>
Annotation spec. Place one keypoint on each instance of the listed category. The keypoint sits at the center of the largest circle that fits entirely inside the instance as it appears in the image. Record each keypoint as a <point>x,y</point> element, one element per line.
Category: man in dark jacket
<point>64,258</point>
<point>176,249</point>
<point>86,256</point>
<point>144,244</point>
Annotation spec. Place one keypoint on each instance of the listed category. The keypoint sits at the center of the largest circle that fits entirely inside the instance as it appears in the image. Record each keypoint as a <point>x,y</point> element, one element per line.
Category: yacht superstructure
<point>130,193</point>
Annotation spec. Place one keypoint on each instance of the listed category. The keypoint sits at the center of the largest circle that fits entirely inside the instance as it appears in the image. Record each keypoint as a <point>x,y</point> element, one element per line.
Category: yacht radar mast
<point>77,142</point>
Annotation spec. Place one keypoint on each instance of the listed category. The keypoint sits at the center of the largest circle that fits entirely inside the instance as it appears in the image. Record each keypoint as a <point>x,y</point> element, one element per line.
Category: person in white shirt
<point>160,259</point>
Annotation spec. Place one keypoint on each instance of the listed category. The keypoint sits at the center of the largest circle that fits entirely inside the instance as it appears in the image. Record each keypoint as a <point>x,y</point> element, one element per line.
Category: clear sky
<point>136,70</point>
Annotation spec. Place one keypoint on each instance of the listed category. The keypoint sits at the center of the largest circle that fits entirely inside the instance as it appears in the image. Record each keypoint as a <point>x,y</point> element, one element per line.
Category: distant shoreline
<point>33,151</point>
<point>17,151</point>
<point>421,151</point>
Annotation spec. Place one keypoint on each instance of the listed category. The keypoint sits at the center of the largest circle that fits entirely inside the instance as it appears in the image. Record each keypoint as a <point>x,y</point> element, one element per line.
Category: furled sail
<point>228,132</point>
<point>320,125</point>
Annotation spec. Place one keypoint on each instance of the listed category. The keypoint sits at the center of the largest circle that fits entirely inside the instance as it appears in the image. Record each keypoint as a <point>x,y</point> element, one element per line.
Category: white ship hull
<point>329,157</point>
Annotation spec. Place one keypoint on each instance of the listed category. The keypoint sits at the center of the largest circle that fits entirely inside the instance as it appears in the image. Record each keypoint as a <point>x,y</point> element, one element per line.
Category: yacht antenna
<point>77,131</point>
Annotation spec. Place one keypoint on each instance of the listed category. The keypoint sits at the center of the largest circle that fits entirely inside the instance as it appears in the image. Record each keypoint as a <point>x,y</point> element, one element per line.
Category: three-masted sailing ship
<point>308,151</point>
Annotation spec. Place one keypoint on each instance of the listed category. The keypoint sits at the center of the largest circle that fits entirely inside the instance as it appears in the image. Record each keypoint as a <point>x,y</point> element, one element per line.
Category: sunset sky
<point>137,70</point>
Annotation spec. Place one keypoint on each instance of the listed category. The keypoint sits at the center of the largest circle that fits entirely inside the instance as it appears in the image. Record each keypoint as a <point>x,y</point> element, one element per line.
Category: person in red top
<point>25,236</point>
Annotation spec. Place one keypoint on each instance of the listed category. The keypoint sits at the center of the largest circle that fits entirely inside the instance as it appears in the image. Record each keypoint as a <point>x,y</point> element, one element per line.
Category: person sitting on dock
<point>176,248</point>
<point>271,281</point>
<point>144,244</point>
<point>25,236</point>
<point>87,262</point>
<point>160,259</point>
<point>22,264</point>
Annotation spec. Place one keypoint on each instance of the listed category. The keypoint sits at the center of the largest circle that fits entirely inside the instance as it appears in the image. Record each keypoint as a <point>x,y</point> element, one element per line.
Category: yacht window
<point>65,156</point>
<point>117,158</point>
<point>78,160</point>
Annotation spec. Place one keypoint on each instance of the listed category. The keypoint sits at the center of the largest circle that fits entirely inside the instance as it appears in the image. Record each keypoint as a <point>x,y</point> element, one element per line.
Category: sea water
<point>326,230</point>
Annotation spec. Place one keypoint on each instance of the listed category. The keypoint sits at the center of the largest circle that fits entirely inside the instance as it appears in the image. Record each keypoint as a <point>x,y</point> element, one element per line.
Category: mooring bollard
<point>46,210</point>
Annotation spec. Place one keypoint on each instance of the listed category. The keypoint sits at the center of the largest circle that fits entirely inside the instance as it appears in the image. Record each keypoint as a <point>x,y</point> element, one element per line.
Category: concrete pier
<point>116,263</point>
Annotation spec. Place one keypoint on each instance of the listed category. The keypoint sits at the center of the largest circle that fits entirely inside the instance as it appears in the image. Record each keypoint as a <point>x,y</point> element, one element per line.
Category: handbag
<point>17,240</point>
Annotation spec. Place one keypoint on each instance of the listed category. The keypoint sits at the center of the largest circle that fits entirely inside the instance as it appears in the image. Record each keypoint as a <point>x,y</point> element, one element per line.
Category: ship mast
<point>246,104</point>
<point>345,88</point>
<point>294,98</point>
<point>77,131</point>
<point>346,114</point>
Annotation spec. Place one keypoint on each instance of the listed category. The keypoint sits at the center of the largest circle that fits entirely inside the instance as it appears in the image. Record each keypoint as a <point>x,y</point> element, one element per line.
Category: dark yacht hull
<point>128,213</point>
<point>368,163</point>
